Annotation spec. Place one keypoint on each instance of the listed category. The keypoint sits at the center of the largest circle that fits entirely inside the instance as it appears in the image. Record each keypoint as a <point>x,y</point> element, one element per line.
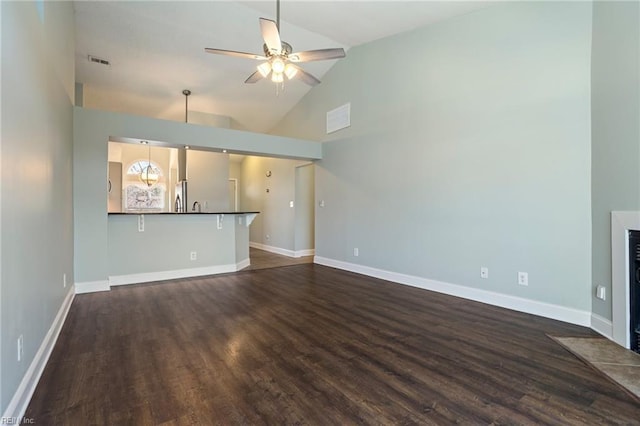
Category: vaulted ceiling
<point>156,49</point>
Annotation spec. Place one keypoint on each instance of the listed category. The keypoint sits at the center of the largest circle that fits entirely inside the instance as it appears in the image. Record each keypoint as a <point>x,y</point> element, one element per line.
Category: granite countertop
<point>177,214</point>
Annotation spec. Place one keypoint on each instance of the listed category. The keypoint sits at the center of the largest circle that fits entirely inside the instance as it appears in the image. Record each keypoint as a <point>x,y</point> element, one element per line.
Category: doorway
<point>304,223</point>
<point>233,194</point>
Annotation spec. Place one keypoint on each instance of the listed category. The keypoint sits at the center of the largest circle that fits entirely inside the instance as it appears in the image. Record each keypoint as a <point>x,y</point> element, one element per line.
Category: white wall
<point>36,194</point>
<point>104,99</point>
<point>469,146</point>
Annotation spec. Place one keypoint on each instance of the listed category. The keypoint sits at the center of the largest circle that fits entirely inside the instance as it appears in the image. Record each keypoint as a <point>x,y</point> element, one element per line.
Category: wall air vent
<point>339,118</point>
<point>98,60</point>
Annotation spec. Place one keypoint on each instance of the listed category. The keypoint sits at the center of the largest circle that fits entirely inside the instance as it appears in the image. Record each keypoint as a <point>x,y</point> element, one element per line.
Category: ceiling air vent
<point>98,60</point>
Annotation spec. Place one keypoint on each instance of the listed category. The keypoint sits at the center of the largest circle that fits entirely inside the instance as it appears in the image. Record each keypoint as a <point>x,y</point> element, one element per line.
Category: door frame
<point>235,181</point>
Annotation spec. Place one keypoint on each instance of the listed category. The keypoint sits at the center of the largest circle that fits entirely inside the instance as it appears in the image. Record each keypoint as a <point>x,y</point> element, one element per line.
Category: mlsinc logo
<point>17,421</point>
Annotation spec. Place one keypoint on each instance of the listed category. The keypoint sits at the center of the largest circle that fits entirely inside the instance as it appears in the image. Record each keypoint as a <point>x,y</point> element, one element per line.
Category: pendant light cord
<point>149,166</point>
<point>186,93</point>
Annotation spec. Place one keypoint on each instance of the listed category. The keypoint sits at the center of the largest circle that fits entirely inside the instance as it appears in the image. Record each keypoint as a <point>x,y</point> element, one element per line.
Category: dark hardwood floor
<point>262,259</point>
<point>308,344</point>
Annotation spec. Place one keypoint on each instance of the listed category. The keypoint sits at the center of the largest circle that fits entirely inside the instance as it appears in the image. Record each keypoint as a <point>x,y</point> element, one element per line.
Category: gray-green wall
<point>92,130</point>
<point>167,241</point>
<point>36,194</point>
<point>615,127</point>
<point>469,146</point>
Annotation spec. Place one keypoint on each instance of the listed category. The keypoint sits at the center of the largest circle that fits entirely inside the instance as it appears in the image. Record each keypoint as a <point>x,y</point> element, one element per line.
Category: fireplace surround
<point>621,223</point>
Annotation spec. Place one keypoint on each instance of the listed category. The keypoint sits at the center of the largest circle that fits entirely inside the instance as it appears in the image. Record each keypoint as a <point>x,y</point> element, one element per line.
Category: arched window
<point>139,195</point>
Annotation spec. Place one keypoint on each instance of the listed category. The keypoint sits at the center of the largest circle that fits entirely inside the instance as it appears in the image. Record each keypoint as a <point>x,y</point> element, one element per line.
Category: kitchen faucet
<point>196,207</point>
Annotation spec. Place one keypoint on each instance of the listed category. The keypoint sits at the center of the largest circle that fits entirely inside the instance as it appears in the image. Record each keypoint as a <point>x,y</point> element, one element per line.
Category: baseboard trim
<point>602,326</point>
<point>547,310</point>
<point>281,251</point>
<point>243,264</point>
<point>92,286</point>
<point>146,277</point>
<point>272,249</point>
<point>18,404</point>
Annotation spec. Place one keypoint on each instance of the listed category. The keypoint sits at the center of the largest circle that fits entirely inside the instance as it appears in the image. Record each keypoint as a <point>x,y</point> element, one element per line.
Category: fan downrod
<point>286,50</point>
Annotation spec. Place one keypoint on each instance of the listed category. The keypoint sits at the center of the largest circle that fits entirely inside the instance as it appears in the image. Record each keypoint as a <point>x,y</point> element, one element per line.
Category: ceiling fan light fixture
<point>277,65</point>
<point>264,69</point>
<point>279,56</point>
<point>290,71</point>
<point>277,77</point>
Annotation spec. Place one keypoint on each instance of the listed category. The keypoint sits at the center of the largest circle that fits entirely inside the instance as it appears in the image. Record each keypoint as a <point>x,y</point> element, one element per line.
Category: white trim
<point>92,286</point>
<point>272,249</point>
<point>145,277</point>
<point>116,280</point>
<point>602,326</point>
<point>235,189</point>
<point>281,251</point>
<point>307,252</point>
<point>243,264</point>
<point>18,404</point>
<point>547,310</point>
<point>621,223</point>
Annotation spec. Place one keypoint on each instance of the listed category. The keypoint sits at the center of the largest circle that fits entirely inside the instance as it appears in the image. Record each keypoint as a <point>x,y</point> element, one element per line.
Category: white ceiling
<point>156,50</point>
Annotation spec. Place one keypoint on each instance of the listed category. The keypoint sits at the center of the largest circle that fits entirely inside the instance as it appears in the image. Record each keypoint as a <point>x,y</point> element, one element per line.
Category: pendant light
<point>148,176</point>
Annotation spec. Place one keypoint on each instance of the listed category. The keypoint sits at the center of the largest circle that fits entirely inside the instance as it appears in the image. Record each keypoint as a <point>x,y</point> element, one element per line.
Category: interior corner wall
<point>275,225</point>
<point>615,127</point>
<point>36,194</point>
<point>469,146</point>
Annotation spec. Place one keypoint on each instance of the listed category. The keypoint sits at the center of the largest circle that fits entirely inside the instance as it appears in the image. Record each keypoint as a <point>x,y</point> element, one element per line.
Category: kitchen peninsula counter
<point>155,246</point>
<point>132,213</point>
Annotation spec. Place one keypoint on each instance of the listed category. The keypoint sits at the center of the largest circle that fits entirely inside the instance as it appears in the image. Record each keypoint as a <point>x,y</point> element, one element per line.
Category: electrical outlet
<point>194,255</point>
<point>290,203</point>
<point>20,348</point>
<point>267,237</point>
<point>141,223</point>
<point>321,203</point>
<point>484,272</point>
<point>356,252</point>
<point>64,280</point>
<point>523,278</point>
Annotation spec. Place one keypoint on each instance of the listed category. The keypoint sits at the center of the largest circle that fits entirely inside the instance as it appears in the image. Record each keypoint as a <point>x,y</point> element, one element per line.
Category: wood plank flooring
<point>262,259</point>
<point>308,344</point>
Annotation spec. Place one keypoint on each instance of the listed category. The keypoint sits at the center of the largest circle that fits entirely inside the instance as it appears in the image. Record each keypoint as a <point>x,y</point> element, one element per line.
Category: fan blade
<point>235,53</point>
<point>317,55</point>
<point>253,78</point>
<point>306,77</point>
<point>271,35</point>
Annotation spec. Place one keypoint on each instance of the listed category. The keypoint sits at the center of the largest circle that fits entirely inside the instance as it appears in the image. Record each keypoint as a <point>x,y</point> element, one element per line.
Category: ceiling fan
<point>279,58</point>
